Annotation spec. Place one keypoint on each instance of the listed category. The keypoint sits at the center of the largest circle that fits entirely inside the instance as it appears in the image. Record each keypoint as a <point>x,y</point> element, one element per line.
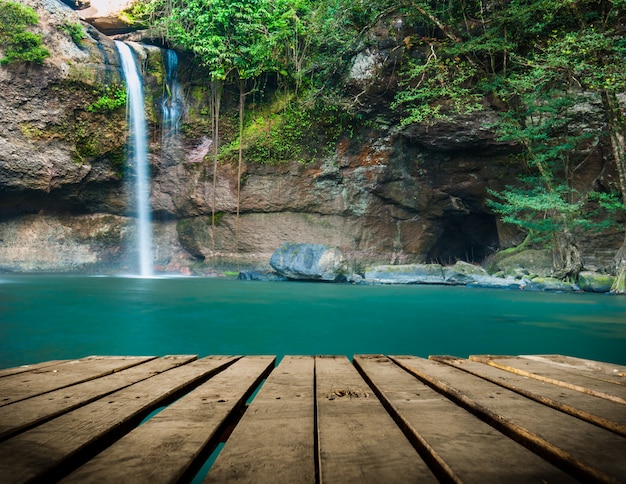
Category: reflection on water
<point>53,317</point>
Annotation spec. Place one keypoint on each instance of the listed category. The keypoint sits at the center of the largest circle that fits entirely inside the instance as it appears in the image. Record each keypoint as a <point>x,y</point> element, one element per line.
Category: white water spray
<point>139,151</point>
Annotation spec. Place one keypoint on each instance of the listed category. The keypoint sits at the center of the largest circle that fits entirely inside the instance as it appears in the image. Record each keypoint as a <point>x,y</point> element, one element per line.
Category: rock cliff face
<point>386,195</point>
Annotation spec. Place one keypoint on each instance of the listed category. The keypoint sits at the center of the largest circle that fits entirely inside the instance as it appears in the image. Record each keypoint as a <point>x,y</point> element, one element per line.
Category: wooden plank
<point>555,375</point>
<point>25,414</point>
<point>42,380</point>
<point>36,366</point>
<point>585,451</point>
<point>599,411</point>
<point>358,440</point>
<point>274,441</point>
<point>165,448</point>
<point>596,369</point>
<point>58,446</point>
<point>446,434</point>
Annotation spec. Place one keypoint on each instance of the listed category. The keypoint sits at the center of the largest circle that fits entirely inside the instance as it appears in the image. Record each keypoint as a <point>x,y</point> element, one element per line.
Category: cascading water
<point>172,104</point>
<point>139,152</point>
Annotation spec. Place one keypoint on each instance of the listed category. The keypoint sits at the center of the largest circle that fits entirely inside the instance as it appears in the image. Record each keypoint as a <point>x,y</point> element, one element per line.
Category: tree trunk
<point>616,124</point>
<point>568,261</point>
<point>216,99</point>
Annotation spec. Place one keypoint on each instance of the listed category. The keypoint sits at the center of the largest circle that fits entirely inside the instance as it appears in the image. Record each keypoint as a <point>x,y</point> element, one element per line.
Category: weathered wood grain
<point>45,379</point>
<point>165,447</point>
<point>358,440</point>
<point>56,447</point>
<point>25,414</point>
<point>316,419</point>
<point>596,369</point>
<point>446,434</point>
<point>556,375</point>
<point>35,366</point>
<point>556,436</point>
<point>599,411</point>
<point>275,439</point>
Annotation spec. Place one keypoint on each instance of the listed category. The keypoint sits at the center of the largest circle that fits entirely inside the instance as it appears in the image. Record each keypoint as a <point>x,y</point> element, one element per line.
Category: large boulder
<point>463,273</point>
<point>595,281</point>
<point>312,262</point>
<point>526,262</point>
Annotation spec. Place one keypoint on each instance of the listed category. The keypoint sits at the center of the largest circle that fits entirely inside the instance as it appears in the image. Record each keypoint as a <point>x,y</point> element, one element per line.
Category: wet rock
<point>264,276</point>
<point>493,282</point>
<point>317,262</point>
<point>406,274</point>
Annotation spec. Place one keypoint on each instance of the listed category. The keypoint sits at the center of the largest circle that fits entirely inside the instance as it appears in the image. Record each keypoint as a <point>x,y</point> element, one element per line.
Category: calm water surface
<point>46,317</point>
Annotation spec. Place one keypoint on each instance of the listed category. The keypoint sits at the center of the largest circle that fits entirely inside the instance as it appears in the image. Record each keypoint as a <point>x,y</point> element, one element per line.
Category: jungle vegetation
<point>537,63</point>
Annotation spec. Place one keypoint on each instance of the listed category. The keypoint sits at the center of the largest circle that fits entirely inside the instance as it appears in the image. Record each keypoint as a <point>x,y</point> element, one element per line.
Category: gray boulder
<point>406,274</point>
<point>312,262</point>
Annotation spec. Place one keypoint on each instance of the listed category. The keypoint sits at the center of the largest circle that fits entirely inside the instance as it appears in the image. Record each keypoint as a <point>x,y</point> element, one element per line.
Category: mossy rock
<point>595,281</point>
<point>533,261</point>
<point>550,284</point>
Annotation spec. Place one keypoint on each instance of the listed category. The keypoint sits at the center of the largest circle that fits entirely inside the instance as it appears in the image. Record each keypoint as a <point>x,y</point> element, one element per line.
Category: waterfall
<point>139,153</point>
<point>172,105</point>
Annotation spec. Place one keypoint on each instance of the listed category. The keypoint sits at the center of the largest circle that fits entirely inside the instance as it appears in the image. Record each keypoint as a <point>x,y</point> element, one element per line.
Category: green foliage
<point>138,14</point>
<point>537,209</point>
<point>75,31</point>
<point>288,130</point>
<point>15,17</point>
<point>112,98</point>
<point>20,45</point>
<point>436,87</point>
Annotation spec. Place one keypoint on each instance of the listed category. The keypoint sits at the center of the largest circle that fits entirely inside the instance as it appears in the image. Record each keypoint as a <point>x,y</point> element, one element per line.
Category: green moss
<point>285,130</point>
<point>31,132</point>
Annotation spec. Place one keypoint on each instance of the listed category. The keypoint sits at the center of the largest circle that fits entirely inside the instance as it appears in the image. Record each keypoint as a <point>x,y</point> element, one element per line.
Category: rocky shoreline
<point>318,262</point>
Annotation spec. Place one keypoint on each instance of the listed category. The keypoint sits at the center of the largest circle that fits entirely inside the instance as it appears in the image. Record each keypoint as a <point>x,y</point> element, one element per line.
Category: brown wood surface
<point>52,449</point>
<point>599,411</point>
<point>27,413</point>
<point>165,447</point>
<point>598,369</point>
<point>275,439</point>
<point>557,375</point>
<point>447,434</point>
<point>358,440</point>
<point>45,379</point>
<point>35,366</point>
<point>555,435</point>
<point>315,419</point>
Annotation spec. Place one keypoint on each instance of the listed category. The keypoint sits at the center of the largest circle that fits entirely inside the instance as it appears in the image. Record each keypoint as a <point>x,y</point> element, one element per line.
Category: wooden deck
<point>379,419</point>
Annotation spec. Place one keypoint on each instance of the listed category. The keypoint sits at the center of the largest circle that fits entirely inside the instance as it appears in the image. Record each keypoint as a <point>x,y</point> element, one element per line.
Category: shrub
<point>75,31</point>
<point>25,47</point>
<point>20,45</point>
<point>113,97</point>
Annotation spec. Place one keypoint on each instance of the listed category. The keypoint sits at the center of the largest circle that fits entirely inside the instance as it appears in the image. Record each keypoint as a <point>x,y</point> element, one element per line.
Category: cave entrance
<point>470,238</point>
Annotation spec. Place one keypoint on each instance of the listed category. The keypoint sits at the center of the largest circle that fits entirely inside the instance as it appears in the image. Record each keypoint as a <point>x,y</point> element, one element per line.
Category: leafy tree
<point>202,27</point>
<point>20,45</point>
<point>535,59</point>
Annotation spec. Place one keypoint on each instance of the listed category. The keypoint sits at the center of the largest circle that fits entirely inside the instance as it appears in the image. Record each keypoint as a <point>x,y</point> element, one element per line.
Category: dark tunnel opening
<point>469,238</point>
